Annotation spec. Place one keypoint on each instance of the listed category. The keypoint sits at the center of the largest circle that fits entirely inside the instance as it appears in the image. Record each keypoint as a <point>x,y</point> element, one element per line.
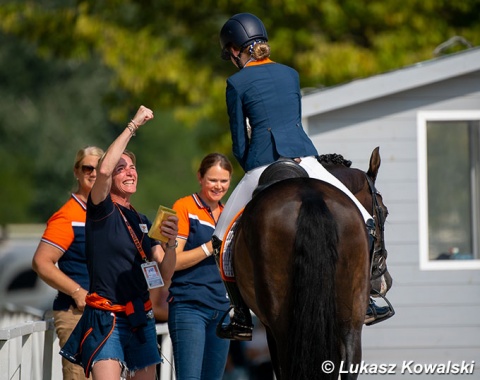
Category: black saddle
<point>281,169</point>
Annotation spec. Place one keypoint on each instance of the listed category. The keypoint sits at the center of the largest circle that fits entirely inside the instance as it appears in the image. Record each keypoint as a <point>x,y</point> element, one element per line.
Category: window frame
<point>422,118</point>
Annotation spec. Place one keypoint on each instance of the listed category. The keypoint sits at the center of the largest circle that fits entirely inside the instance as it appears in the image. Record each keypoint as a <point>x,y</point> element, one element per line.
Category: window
<point>449,189</point>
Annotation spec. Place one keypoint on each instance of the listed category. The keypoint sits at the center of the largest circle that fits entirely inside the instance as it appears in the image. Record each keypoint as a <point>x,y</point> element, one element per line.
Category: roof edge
<point>417,75</point>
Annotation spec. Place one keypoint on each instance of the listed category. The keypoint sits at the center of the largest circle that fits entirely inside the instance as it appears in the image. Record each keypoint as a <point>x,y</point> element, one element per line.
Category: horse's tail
<point>315,334</point>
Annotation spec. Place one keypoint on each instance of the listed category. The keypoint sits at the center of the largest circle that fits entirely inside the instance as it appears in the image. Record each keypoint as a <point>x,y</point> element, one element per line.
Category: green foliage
<point>73,72</point>
<point>49,110</point>
<point>168,158</point>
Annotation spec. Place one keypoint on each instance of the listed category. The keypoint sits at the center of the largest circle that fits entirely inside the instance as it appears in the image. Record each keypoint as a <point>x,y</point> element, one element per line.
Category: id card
<point>152,275</point>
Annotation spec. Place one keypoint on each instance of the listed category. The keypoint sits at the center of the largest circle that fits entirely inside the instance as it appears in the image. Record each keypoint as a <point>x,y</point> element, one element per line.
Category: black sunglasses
<point>87,169</point>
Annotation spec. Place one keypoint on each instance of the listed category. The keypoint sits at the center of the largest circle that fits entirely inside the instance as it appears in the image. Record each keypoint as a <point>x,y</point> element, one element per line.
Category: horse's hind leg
<point>272,347</point>
<point>352,353</point>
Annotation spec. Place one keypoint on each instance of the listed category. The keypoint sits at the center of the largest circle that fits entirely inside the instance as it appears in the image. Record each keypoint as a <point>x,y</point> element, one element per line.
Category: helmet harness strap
<point>250,50</point>
<point>237,60</point>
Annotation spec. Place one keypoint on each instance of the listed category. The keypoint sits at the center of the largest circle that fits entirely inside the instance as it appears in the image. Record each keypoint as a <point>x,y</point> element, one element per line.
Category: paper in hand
<point>162,214</point>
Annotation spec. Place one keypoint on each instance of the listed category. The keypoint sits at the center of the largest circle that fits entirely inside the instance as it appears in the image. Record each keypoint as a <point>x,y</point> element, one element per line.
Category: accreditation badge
<point>152,274</point>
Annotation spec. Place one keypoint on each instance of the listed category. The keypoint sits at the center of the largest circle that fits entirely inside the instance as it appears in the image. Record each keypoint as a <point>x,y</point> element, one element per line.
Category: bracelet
<point>171,246</point>
<point>76,290</point>
<point>131,128</point>
<point>205,249</point>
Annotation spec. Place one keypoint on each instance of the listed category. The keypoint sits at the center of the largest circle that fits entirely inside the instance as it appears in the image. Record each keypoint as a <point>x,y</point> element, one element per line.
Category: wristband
<point>205,249</point>
<point>131,129</point>
<point>171,246</point>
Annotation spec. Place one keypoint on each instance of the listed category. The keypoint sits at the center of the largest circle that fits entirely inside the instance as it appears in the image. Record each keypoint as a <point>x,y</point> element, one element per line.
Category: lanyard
<point>132,234</point>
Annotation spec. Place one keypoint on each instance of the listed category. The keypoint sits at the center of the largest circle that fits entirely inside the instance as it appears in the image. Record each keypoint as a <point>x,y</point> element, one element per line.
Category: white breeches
<point>242,194</point>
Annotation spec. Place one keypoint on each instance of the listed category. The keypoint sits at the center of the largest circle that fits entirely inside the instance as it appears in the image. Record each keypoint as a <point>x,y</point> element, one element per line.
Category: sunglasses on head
<point>87,169</point>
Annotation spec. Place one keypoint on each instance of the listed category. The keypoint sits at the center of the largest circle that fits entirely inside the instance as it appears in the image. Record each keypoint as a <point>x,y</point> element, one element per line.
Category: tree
<point>168,50</point>
<point>122,53</point>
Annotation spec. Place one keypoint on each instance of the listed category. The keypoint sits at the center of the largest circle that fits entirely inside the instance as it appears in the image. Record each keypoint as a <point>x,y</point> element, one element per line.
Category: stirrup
<point>377,319</point>
<point>234,330</point>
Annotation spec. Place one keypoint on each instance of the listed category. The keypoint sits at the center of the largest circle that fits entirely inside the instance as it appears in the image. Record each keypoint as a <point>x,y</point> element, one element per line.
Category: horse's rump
<point>286,265</point>
<point>302,265</point>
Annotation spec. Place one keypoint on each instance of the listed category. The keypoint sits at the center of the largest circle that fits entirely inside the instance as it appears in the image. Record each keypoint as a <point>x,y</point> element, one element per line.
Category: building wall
<point>437,312</point>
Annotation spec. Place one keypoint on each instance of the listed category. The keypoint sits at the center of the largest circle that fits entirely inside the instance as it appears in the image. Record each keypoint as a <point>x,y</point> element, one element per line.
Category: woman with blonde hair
<point>264,108</point>
<point>60,258</point>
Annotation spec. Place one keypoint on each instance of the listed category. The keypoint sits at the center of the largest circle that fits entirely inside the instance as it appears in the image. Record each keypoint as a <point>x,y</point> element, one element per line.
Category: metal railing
<point>29,351</point>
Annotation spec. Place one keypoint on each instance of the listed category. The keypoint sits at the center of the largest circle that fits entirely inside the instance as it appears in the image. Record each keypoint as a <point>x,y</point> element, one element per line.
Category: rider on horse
<point>264,107</point>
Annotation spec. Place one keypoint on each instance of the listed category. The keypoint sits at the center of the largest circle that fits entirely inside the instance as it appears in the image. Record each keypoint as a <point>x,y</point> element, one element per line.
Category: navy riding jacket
<point>268,94</point>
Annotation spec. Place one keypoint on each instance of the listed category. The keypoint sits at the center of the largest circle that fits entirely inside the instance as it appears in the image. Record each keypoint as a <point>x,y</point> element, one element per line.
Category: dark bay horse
<point>303,267</point>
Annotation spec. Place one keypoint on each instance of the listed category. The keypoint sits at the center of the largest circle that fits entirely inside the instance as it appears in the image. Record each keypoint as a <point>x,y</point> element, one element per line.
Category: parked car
<point>20,287</point>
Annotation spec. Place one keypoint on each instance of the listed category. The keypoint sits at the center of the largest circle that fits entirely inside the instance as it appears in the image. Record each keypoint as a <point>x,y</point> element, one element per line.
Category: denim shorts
<point>124,346</point>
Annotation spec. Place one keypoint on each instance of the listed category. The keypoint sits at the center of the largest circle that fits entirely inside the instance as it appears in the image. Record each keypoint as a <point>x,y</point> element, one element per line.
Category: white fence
<point>29,350</point>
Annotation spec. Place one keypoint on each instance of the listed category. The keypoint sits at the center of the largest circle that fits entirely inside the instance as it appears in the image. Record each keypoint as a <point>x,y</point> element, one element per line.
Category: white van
<point>21,290</point>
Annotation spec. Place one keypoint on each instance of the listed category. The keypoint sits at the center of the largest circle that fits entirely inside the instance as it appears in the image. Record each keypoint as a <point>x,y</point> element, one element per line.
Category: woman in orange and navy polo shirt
<point>197,299</point>
<point>63,243</point>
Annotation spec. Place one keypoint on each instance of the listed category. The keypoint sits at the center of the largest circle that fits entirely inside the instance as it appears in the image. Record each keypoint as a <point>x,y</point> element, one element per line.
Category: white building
<point>426,120</point>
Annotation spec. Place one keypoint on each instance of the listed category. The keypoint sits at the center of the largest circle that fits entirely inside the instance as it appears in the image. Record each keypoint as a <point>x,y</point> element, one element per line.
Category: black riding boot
<point>376,313</point>
<point>241,326</point>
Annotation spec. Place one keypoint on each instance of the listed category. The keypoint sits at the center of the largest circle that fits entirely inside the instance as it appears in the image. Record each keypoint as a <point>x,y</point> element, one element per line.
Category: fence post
<point>167,371</point>
<point>48,345</point>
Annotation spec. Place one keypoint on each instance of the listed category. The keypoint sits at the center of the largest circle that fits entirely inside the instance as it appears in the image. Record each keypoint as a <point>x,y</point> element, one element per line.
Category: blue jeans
<point>123,345</point>
<point>198,352</point>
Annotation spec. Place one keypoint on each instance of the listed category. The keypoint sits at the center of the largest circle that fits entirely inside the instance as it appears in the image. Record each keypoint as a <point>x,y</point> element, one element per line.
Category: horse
<point>302,264</point>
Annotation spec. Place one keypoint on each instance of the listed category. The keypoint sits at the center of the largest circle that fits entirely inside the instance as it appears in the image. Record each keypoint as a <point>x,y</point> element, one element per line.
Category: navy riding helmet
<point>241,30</point>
